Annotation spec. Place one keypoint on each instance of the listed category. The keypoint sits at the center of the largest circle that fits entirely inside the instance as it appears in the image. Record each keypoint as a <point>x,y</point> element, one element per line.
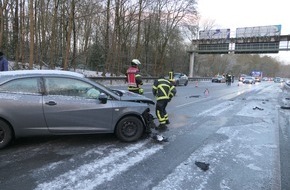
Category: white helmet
<point>136,62</point>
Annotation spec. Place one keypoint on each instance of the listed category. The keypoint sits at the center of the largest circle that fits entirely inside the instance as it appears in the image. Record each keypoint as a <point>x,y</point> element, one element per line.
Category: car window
<point>70,87</point>
<point>21,86</point>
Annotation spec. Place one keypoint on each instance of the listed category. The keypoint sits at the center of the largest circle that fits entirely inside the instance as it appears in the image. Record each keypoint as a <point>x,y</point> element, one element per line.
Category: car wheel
<point>5,134</point>
<point>129,129</point>
<point>186,82</point>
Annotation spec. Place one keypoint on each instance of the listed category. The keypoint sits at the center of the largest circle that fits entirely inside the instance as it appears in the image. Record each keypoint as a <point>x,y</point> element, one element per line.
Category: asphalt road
<point>239,130</point>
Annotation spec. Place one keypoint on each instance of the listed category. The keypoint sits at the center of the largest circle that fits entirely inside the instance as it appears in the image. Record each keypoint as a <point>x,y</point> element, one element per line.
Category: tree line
<point>105,35</point>
<point>101,35</point>
<point>237,64</point>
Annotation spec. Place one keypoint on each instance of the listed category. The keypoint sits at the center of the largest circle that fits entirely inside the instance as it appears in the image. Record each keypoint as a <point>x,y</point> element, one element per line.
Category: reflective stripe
<point>162,98</point>
<point>163,89</point>
<point>161,119</point>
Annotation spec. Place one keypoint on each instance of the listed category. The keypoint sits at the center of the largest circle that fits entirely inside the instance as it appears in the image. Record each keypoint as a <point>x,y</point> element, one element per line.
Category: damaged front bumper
<point>148,120</point>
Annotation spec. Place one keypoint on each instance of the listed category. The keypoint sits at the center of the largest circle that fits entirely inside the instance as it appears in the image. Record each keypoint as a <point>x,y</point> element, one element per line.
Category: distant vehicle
<point>258,75</point>
<point>179,79</point>
<point>218,79</point>
<point>51,102</point>
<point>249,80</point>
<point>265,79</point>
<point>278,79</point>
<point>242,76</point>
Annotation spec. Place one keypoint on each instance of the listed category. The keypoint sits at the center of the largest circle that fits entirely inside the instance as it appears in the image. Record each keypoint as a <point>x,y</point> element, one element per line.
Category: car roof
<point>179,74</point>
<point>39,72</point>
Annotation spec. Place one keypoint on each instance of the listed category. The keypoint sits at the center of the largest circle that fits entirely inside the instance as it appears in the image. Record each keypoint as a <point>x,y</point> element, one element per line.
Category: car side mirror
<point>103,98</point>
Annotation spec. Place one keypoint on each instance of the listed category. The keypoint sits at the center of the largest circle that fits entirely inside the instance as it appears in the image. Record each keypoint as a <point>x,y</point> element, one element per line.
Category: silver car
<point>50,102</point>
<point>249,80</point>
<point>179,79</point>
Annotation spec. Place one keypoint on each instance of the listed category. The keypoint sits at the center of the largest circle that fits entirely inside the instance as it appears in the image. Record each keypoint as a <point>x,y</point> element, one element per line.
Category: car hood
<point>126,95</point>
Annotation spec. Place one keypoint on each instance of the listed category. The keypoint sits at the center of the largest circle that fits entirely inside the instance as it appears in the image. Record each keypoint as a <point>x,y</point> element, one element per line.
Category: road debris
<point>159,138</point>
<point>202,165</point>
<point>258,108</point>
<point>194,96</point>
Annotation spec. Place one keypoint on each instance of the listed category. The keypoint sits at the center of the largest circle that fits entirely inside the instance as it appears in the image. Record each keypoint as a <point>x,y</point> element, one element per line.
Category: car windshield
<point>107,88</point>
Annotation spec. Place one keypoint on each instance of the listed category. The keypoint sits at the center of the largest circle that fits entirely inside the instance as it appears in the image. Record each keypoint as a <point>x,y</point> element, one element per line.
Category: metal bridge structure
<point>249,40</point>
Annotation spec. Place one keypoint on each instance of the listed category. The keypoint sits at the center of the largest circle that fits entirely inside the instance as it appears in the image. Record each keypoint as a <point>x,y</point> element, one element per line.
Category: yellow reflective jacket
<point>163,89</point>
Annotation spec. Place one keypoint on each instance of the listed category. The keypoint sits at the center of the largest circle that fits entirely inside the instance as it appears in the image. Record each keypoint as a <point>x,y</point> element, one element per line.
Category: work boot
<point>161,127</point>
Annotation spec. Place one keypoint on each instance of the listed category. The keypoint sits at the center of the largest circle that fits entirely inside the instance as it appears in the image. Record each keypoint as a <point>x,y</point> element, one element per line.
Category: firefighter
<point>163,90</point>
<point>228,79</point>
<point>134,78</point>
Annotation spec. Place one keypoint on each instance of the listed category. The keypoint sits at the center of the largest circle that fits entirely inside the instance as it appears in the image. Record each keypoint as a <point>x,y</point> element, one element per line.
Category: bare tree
<point>53,34</point>
<point>68,36</point>
<point>106,34</point>
<point>16,31</point>
<point>3,7</point>
<point>31,27</point>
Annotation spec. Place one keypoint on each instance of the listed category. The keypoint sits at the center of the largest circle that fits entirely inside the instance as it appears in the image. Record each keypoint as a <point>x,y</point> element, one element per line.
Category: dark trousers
<point>161,111</point>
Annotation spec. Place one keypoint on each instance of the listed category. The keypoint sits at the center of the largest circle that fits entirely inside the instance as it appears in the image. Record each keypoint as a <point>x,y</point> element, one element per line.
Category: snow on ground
<point>240,149</point>
<point>90,175</point>
<point>249,155</point>
<point>250,149</point>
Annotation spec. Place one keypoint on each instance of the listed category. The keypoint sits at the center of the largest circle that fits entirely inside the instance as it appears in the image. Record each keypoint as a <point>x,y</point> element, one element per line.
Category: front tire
<point>5,134</point>
<point>129,129</point>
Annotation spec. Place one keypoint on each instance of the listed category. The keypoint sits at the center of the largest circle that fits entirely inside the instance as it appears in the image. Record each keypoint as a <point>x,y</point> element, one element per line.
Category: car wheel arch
<point>136,120</point>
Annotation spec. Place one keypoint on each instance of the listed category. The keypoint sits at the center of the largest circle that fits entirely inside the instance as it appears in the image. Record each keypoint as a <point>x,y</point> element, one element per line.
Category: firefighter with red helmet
<point>134,78</point>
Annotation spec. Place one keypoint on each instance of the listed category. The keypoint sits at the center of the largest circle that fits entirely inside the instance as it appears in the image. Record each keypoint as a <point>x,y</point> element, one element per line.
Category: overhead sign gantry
<point>217,41</point>
<point>260,39</point>
<point>247,40</point>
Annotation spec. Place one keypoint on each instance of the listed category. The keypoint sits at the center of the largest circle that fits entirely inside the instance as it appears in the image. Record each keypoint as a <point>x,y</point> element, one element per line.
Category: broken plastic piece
<point>257,108</point>
<point>160,138</point>
<point>202,165</point>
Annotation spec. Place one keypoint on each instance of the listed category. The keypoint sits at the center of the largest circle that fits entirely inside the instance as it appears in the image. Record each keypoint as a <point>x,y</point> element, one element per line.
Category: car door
<point>72,106</point>
<point>21,105</point>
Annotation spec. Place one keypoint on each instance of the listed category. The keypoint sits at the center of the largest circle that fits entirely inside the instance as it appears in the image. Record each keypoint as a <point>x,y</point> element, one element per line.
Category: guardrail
<point>120,80</point>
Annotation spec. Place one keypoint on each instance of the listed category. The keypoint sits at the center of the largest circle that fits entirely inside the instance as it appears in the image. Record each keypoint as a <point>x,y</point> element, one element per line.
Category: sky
<point>234,14</point>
